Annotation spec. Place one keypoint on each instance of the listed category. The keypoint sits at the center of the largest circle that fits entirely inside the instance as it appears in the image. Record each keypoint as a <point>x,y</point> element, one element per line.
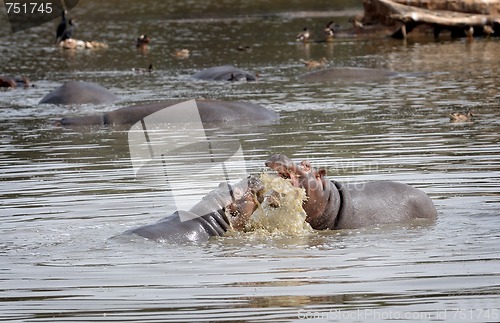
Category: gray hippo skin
<point>333,205</point>
<point>76,92</point>
<point>224,73</point>
<point>211,111</point>
<point>208,217</point>
<point>347,74</point>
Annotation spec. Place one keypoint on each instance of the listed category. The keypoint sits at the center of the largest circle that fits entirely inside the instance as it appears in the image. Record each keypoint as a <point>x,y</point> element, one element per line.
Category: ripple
<point>66,192</point>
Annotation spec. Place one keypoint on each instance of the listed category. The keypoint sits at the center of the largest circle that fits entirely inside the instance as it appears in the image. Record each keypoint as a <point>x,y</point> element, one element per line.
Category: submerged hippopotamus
<point>224,73</point>
<point>211,111</point>
<point>347,74</point>
<point>212,216</point>
<point>334,205</point>
<point>77,92</point>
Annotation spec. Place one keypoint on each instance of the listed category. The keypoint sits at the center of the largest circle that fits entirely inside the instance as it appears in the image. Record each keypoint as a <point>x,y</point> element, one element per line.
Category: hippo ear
<point>322,172</point>
<point>306,165</point>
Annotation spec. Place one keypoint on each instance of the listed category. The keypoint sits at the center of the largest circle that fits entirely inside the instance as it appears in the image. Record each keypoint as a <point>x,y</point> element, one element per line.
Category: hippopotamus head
<point>246,196</point>
<point>318,188</point>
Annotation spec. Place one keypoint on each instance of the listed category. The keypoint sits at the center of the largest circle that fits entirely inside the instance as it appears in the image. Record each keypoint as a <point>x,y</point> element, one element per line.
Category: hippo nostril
<point>233,210</point>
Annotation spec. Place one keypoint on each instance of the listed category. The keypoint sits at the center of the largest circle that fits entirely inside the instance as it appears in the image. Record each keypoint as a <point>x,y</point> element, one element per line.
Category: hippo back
<point>211,111</point>
<point>77,92</point>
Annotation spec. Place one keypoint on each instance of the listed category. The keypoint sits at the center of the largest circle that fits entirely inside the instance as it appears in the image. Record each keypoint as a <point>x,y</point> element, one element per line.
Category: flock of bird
<point>329,31</point>
<point>64,38</point>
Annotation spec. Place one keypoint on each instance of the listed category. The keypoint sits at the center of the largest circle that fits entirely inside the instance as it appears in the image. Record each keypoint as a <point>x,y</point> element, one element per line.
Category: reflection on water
<point>65,192</point>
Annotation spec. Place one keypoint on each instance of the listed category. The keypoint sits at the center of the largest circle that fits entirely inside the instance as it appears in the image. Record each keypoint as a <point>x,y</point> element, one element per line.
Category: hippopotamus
<point>212,216</point>
<point>224,73</point>
<point>77,92</point>
<point>329,205</point>
<point>211,111</point>
<point>347,74</point>
<point>334,205</point>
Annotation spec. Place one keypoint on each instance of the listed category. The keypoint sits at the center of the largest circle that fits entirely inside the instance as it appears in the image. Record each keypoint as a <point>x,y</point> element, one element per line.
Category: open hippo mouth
<point>301,174</point>
<point>317,187</point>
<point>245,198</point>
<point>285,168</point>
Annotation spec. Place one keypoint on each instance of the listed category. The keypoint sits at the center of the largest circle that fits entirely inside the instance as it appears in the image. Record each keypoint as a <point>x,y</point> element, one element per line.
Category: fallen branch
<point>459,23</point>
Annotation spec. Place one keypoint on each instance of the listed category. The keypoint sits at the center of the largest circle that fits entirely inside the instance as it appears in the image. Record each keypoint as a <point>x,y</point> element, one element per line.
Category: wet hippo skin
<point>334,205</point>
<point>77,92</point>
<point>207,218</point>
<point>224,73</point>
<point>211,111</point>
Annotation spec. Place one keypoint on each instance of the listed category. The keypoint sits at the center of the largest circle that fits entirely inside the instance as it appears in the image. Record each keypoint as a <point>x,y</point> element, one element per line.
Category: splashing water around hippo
<point>281,212</point>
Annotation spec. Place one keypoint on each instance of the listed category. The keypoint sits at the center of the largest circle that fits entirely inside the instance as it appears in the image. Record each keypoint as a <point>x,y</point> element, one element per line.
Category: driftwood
<point>483,7</point>
<point>462,18</point>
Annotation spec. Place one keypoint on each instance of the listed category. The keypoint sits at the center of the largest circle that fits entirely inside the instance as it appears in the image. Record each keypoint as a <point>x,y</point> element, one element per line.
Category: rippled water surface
<point>66,192</point>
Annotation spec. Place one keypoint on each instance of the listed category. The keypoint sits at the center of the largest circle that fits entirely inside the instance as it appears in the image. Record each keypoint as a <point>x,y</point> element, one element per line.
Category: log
<point>465,14</point>
<point>483,7</point>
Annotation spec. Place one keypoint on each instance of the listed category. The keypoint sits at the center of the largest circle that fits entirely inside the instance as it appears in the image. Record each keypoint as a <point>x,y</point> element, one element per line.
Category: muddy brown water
<point>66,192</point>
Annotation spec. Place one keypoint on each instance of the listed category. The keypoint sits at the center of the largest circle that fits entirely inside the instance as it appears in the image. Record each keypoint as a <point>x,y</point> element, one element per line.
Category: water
<point>66,192</point>
<point>281,212</point>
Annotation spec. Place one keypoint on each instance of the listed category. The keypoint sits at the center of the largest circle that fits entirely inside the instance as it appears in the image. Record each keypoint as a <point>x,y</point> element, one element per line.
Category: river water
<point>66,192</point>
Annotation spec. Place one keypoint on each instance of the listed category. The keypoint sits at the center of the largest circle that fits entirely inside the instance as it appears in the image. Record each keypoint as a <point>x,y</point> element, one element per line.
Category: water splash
<point>281,212</point>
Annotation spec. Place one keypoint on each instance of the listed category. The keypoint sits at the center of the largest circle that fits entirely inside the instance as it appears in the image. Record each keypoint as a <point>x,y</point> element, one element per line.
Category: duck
<point>461,117</point>
<point>149,70</point>
<point>488,30</point>
<point>72,43</point>
<point>11,82</point>
<point>182,53</point>
<point>329,31</point>
<point>357,25</point>
<point>311,64</point>
<point>304,35</point>
<point>142,41</point>
<point>95,44</point>
<point>243,48</point>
